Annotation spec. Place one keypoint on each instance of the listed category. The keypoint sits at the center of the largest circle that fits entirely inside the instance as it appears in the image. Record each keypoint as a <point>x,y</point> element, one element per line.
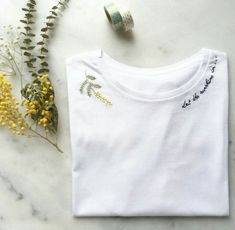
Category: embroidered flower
<point>92,89</point>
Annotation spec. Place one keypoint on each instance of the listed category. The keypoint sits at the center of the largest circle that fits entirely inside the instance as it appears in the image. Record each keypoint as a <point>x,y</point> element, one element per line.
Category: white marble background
<point>35,181</point>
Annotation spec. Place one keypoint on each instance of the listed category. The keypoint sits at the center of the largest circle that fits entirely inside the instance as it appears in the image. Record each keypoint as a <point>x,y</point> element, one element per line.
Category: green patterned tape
<point>120,18</point>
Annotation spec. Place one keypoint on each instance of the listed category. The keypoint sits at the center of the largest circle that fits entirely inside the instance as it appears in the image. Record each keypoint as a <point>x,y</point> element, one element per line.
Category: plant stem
<point>18,70</point>
<point>46,139</point>
<point>10,64</point>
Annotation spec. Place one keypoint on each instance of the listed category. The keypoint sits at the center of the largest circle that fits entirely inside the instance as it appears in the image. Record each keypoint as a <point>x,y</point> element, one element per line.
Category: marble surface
<point>35,181</point>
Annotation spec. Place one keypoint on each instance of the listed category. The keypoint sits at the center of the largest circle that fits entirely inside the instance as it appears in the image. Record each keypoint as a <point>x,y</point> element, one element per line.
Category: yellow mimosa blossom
<point>39,106</point>
<point>10,116</point>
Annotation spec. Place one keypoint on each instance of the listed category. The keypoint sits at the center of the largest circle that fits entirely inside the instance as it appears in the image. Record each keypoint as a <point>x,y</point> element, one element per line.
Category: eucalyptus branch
<point>28,47</point>
<point>45,35</point>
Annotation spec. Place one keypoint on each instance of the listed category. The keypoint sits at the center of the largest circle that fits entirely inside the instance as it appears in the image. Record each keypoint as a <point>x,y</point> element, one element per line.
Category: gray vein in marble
<point>36,213</point>
<point>19,196</point>
<point>11,187</point>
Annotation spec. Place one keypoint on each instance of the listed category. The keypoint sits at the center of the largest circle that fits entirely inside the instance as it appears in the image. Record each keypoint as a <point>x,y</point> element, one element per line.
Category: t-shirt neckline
<point>108,63</point>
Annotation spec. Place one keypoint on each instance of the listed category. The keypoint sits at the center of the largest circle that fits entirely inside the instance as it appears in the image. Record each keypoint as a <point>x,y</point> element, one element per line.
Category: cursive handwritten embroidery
<point>208,81</point>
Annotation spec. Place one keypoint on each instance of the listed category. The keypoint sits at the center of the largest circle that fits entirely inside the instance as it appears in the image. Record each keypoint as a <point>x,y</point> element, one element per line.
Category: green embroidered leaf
<point>89,90</point>
<point>90,77</point>
<point>83,86</point>
<point>97,86</point>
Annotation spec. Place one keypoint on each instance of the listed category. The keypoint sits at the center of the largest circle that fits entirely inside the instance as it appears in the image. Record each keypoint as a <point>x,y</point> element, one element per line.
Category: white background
<point>35,181</point>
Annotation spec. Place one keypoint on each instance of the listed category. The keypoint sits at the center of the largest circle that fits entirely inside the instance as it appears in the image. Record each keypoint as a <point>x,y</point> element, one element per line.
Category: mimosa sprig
<point>36,115</point>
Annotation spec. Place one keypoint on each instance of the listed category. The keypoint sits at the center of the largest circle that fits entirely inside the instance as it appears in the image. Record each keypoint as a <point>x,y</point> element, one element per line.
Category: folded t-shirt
<point>149,141</point>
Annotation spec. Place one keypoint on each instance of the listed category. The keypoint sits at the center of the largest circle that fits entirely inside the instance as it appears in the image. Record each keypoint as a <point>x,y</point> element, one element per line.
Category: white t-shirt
<point>149,141</point>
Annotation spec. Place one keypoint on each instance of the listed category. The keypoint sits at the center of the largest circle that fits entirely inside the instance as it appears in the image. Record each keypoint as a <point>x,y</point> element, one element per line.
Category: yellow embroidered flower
<point>103,98</point>
<point>10,116</point>
<point>92,89</point>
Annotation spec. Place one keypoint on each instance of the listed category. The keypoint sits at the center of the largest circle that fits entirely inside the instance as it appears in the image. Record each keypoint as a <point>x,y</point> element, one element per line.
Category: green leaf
<point>41,43</point>
<point>44,50</point>
<point>50,24</point>
<point>31,35</point>
<point>31,22</point>
<point>83,86</point>
<point>23,21</point>
<point>44,29</point>
<point>27,28</point>
<point>28,15</point>
<point>43,71</point>
<point>54,7</point>
<point>34,74</point>
<point>44,63</point>
<point>90,77</point>
<point>41,56</point>
<point>27,40</point>
<point>45,36</point>
<point>23,48</point>
<point>33,2</point>
<point>29,64</point>
<point>54,112</point>
<point>50,17</point>
<point>24,9</point>
<point>31,47</point>
<point>30,5</point>
<point>33,60</point>
<point>54,13</point>
<point>27,54</point>
<point>89,90</point>
<point>97,86</point>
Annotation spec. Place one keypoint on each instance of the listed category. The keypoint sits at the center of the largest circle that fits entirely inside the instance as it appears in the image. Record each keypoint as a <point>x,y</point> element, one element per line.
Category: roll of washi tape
<point>119,17</point>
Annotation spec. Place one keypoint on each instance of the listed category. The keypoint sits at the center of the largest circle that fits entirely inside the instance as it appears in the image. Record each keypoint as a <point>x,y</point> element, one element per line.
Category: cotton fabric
<point>161,148</point>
